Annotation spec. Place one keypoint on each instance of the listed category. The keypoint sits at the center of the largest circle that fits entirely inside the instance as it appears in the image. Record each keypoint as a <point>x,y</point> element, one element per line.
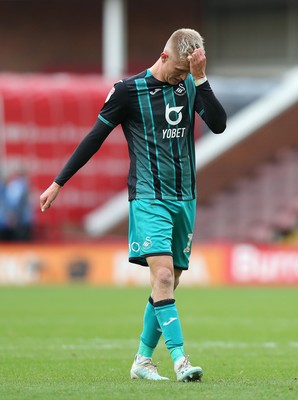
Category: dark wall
<point>66,35</point>
<point>247,37</point>
<point>50,35</point>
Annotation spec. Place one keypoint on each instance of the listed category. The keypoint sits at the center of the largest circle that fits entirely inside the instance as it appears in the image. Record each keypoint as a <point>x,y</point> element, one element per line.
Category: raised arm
<point>207,104</point>
<point>210,109</point>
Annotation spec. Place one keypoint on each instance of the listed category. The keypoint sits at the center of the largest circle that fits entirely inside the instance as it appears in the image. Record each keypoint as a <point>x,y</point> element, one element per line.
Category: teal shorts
<point>161,227</point>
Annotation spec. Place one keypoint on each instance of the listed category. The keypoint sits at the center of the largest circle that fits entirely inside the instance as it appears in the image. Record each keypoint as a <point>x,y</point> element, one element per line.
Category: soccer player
<point>156,109</point>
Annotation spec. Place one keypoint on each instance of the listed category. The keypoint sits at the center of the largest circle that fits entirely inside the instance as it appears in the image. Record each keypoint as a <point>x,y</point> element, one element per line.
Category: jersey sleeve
<point>210,109</point>
<point>84,151</point>
<point>115,108</point>
<point>112,113</point>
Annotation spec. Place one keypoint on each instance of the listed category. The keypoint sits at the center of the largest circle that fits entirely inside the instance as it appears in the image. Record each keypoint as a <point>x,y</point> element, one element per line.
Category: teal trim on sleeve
<point>106,121</point>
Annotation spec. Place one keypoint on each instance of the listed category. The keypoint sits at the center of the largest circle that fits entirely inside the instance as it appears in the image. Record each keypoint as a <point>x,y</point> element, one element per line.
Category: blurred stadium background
<point>58,62</point>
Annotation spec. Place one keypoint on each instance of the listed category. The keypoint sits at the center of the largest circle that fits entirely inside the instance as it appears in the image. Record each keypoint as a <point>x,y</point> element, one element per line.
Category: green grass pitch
<point>78,342</point>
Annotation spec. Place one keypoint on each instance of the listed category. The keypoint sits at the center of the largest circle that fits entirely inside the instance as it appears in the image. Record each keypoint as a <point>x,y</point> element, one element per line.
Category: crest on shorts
<point>147,244</point>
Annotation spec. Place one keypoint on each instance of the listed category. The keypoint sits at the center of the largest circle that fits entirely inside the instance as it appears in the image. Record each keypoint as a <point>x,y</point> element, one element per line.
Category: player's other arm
<point>113,113</point>
<point>84,151</point>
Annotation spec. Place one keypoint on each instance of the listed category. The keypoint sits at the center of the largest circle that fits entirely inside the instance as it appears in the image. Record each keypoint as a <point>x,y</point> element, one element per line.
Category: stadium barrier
<point>107,264</point>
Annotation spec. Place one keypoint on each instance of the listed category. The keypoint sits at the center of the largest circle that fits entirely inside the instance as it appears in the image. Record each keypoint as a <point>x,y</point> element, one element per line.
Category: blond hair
<point>183,42</point>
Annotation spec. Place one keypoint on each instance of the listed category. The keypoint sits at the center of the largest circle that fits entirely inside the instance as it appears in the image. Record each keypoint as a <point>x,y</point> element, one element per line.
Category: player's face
<point>174,71</point>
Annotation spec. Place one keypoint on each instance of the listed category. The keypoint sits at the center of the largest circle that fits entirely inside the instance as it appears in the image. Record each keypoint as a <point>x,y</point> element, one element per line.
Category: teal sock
<point>168,318</point>
<point>151,331</point>
<point>177,353</point>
